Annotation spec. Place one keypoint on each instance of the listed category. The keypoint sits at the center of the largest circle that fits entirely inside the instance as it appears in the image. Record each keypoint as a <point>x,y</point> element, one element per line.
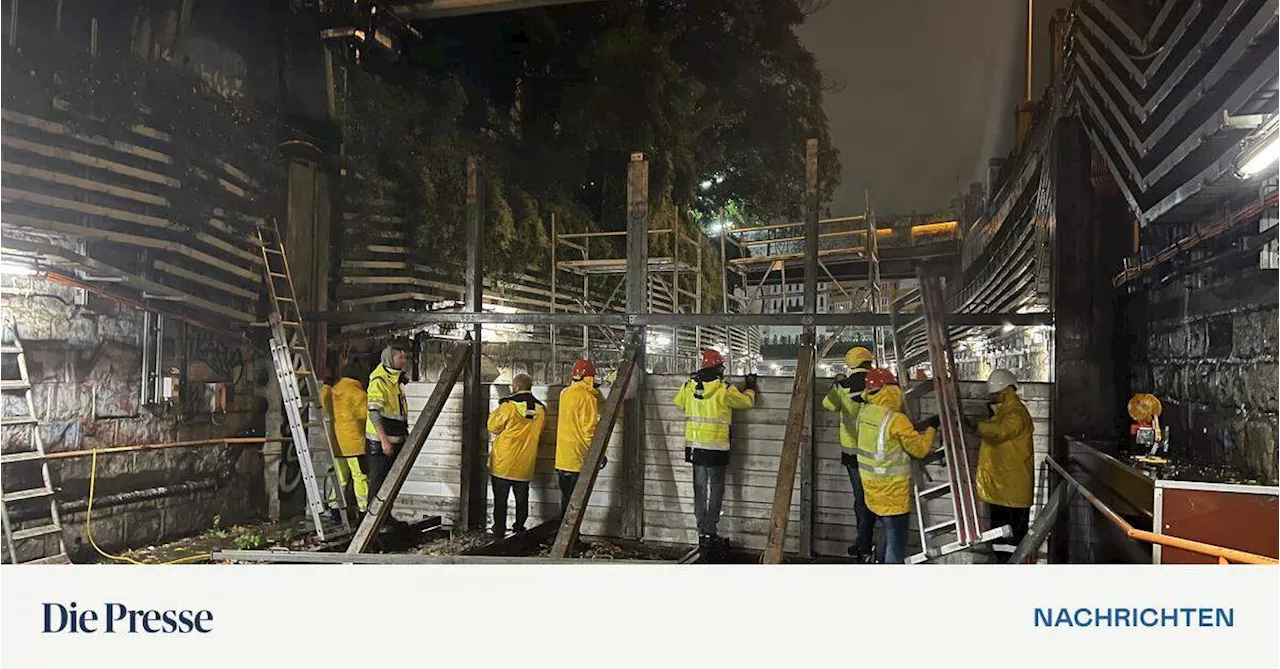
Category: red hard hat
<point>710,358</point>
<point>879,378</point>
<point>583,368</point>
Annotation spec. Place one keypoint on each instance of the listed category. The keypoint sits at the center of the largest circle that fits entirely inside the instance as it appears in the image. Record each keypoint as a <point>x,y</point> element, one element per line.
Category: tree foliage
<point>719,94</point>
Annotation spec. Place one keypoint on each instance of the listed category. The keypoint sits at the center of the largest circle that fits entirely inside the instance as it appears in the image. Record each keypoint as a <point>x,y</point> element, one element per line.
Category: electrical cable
<point>88,524</point>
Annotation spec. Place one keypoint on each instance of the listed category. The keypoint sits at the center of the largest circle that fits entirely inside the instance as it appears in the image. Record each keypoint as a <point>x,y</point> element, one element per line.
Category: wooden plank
<point>23,195</point>
<point>56,128</point>
<point>229,248</point>
<point>382,499</point>
<point>203,279</point>
<point>1059,500</point>
<point>62,179</point>
<point>311,557</point>
<point>132,240</point>
<point>88,161</point>
<point>796,424</point>
<point>135,282</point>
<point>520,543</point>
<point>591,463</point>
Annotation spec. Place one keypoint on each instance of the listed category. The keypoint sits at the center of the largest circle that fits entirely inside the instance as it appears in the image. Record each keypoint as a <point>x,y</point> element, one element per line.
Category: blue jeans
<point>865,519</point>
<point>892,548</point>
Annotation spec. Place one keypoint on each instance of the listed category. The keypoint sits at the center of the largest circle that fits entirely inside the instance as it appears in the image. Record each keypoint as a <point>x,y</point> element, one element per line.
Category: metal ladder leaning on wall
<point>291,356</point>
<point>46,526</point>
<point>953,456</point>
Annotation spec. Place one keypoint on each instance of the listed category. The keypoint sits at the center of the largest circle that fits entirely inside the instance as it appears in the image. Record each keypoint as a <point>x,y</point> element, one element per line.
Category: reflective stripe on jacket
<point>348,410</point>
<point>886,443</point>
<point>708,408</point>
<point>577,415</point>
<point>518,423</point>
<point>846,399</point>
<point>386,396</point>
<point>1006,463</point>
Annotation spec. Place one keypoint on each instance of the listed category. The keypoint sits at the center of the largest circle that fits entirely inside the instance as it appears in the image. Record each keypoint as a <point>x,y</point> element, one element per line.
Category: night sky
<point>929,93</point>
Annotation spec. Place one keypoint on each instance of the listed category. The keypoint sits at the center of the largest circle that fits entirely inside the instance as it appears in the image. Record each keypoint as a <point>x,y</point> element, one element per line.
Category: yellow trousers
<point>349,473</point>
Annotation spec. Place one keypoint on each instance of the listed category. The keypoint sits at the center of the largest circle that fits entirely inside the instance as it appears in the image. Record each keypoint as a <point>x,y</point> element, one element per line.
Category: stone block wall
<point>84,362</point>
<point>1206,345</point>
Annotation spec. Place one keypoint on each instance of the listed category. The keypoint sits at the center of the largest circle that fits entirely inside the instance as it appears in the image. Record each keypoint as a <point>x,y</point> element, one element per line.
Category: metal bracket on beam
<point>1243,121</point>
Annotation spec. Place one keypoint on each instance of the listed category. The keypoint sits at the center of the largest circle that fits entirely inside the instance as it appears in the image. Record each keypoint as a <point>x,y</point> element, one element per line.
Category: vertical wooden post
<point>554,376</point>
<point>792,441</point>
<point>637,303</point>
<point>473,507</point>
<point>809,340</point>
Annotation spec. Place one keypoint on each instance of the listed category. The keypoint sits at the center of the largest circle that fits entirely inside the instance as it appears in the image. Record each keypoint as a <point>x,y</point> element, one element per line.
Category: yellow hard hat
<point>1144,407</point>
<point>858,355</point>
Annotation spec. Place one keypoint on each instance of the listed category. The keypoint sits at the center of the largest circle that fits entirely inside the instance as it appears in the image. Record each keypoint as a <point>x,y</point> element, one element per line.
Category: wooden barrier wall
<point>433,484</point>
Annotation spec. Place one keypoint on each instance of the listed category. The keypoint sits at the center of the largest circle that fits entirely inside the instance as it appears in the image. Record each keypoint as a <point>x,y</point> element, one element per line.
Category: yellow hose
<point>88,525</point>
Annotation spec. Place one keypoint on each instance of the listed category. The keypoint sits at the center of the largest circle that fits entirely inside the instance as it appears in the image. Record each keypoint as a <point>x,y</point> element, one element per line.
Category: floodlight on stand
<point>1260,152</point>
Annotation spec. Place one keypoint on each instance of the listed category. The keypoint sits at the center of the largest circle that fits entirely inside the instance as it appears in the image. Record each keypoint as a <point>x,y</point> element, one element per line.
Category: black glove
<point>932,422</point>
<point>751,382</point>
<point>604,460</point>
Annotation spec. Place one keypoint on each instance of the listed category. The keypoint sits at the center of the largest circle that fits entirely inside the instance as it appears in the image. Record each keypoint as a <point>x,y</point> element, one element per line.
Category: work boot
<point>335,516</point>
<point>705,540</point>
<point>518,529</point>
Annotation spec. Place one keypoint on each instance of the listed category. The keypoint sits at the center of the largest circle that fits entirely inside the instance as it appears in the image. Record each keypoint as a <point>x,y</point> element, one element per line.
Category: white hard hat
<point>999,380</point>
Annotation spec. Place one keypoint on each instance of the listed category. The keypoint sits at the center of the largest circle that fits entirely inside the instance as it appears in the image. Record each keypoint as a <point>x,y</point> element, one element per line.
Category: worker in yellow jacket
<point>708,404</point>
<point>517,424</point>
<point>387,423</point>
<point>1006,463</point>
<point>845,398</point>
<point>344,402</point>
<point>577,414</point>
<point>886,443</point>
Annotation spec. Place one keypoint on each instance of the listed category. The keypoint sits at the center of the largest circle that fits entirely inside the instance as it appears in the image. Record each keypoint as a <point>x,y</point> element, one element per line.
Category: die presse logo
<point>116,618</point>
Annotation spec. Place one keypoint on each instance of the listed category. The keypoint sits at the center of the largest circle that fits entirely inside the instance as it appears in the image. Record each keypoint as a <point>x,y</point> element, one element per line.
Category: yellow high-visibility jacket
<point>1006,462</point>
<point>345,404</point>
<point>386,396</point>
<point>518,423</point>
<point>576,419</point>
<point>708,412</point>
<point>846,399</point>
<point>886,443</point>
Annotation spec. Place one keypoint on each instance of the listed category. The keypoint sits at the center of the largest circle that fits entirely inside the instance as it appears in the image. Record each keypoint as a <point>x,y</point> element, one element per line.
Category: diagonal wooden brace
<point>591,463</point>
<point>380,503</point>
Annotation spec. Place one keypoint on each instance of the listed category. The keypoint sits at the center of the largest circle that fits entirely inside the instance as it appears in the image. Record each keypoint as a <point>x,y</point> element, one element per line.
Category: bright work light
<point>1261,154</point>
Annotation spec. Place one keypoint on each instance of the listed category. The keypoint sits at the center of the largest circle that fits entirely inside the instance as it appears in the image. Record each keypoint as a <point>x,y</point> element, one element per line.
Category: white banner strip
<point>556,616</point>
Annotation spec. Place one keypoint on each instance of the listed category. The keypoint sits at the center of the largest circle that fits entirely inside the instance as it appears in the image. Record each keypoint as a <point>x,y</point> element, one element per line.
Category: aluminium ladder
<point>291,356</point>
<point>929,325</point>
<point>22,465</point>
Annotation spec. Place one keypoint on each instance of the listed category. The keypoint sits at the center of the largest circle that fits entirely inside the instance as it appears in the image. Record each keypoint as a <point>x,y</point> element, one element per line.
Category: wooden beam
<point>792,439</point>
<point>382,499</point>
<point>1058,502</point>
<point>131,240</point>
<point>132,281</point>
<point>521,543</point>
<point>197,277</point>
<point>591,463</point>
<point>310,557</point>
